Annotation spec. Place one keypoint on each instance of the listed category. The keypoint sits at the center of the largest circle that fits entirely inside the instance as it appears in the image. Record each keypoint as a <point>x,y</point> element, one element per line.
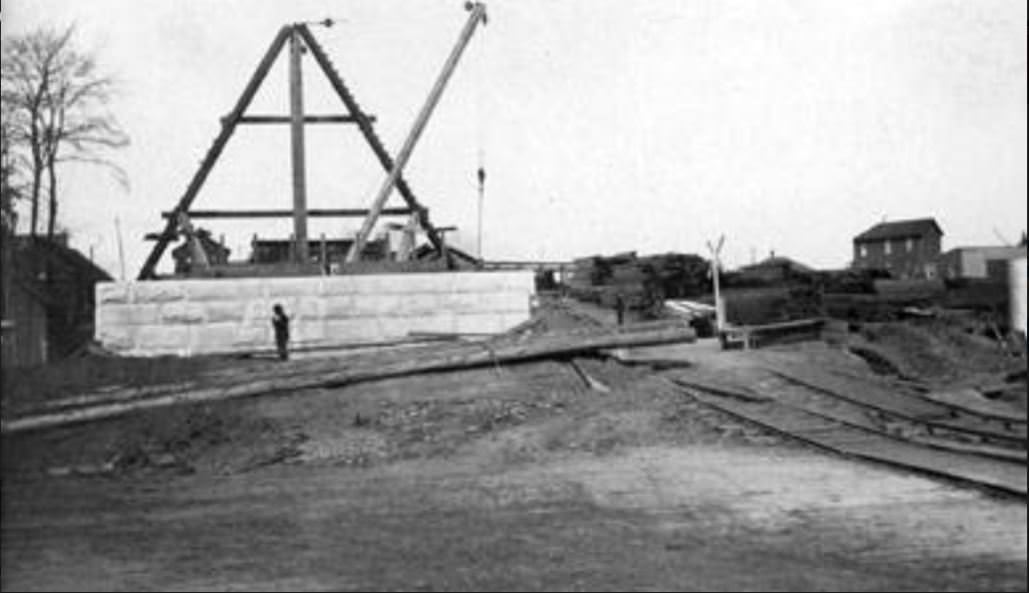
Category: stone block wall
<point>204,316</point>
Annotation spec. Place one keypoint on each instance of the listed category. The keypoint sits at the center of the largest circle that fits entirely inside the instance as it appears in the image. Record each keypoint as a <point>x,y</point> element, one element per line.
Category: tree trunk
<point>51,223</point>
<point>37,174</point>
<point>37,167</point>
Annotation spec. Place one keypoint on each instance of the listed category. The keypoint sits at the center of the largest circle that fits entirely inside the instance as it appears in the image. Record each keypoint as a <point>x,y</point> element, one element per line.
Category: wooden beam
<point>297,158</point>
<point>228,125</point>
<point>308,119</point>
<point>311,212</point>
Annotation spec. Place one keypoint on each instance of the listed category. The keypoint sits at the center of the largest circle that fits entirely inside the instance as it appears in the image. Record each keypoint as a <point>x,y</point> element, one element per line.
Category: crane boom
<point>478,14</point>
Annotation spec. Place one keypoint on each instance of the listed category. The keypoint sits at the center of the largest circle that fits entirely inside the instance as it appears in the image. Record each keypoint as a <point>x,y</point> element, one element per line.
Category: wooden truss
<point>299,37</point>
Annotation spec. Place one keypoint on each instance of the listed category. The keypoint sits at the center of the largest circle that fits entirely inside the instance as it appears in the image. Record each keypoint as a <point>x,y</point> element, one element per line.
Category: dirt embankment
<point>937,352</point>
<point>522,412</point>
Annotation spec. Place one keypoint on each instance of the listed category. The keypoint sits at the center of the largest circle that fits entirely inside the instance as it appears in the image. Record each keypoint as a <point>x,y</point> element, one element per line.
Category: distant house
<point>775,269</point>
<point>989,263</point>
<point>48,299</point>
<point>905,248</point>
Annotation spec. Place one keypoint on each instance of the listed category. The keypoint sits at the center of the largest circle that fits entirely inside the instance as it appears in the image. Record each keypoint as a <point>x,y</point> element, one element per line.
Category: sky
<point>603,126</point>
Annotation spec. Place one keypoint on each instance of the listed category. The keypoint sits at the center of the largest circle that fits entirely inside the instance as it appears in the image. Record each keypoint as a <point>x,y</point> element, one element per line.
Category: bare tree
<point>11,169</point>
<point>58,103</point>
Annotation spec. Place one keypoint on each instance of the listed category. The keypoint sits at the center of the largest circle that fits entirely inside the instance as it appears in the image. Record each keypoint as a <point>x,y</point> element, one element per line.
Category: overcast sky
<point>603,126</point>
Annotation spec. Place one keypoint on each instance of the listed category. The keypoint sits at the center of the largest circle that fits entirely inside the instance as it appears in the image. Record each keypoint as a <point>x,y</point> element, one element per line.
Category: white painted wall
<point>973,259</point>
<point>187,317</point>
<point>1017,270</point>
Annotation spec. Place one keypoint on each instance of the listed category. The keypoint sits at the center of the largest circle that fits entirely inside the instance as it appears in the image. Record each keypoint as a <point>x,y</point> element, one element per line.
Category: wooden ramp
<point>933,414</point>
<point>850,414</point>
<point>1006,476</point>
<point>965,399</point>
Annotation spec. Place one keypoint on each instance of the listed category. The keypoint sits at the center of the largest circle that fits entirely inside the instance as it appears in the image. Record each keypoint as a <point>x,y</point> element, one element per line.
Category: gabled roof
<point>900,229</point>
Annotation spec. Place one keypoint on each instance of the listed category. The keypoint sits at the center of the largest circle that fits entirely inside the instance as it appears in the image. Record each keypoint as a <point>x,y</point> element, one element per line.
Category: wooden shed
<point>48,300</point>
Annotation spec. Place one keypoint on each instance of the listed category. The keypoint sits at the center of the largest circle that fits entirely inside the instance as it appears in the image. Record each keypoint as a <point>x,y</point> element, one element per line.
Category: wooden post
<point>324,256</point>
<point>296,113</point>
<point>716,264</point>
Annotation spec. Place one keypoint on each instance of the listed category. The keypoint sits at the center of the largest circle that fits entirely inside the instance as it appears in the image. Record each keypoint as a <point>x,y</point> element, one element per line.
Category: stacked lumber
<point>680,275</point>
<point>641,281</point>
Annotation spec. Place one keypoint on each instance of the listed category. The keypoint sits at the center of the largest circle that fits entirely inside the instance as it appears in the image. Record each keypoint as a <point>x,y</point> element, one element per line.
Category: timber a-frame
<point>298,36</point>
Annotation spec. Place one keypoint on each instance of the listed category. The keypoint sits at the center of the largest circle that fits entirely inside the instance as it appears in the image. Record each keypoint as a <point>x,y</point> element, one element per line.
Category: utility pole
<point>121,250</point>
<point>482,190</point>
<point>716,264</point>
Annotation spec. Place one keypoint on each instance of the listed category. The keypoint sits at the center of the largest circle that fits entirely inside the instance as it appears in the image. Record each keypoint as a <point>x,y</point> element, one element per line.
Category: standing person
<point>281,324</point>
<point>620,308</point>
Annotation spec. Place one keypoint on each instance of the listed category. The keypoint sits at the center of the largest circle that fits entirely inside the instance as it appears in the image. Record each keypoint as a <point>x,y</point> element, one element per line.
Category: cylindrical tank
<point>1017,270</point>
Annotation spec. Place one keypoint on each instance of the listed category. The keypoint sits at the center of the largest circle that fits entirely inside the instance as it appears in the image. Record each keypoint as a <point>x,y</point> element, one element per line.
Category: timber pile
<point>339,372</point>
<point>638,279</point>
<point>680,275</point>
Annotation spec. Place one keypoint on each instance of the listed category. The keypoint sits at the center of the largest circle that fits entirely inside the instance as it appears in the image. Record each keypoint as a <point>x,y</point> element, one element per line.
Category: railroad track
<point>863,419</point>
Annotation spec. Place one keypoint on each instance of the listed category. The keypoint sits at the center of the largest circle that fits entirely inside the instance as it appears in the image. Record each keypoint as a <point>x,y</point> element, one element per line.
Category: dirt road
<point>707,517</point>
<point>515,478</point>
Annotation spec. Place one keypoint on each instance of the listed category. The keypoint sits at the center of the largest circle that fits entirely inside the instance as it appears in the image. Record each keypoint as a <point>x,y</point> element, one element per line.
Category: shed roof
<point>900,229</point>
<point>40,249</point>
<point>31,256</point>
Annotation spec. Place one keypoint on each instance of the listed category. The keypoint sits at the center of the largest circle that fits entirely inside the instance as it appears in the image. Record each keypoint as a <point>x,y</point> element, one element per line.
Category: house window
<point>909,245</point>
<point>886,247</point>
<point>864,251</point>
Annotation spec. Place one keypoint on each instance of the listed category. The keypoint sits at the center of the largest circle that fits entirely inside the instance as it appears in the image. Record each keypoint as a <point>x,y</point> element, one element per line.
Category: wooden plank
<point>719,388</point>
<point>307,119</point>
<point>972,401</point>
<point>1008,477</point>
<point>857,416</point>
<point>588,380</point>
<point>311,212</point>
<point>785,325</point>
<point>900,405</point>
<point>457,356</point>
<point>968,400</point>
